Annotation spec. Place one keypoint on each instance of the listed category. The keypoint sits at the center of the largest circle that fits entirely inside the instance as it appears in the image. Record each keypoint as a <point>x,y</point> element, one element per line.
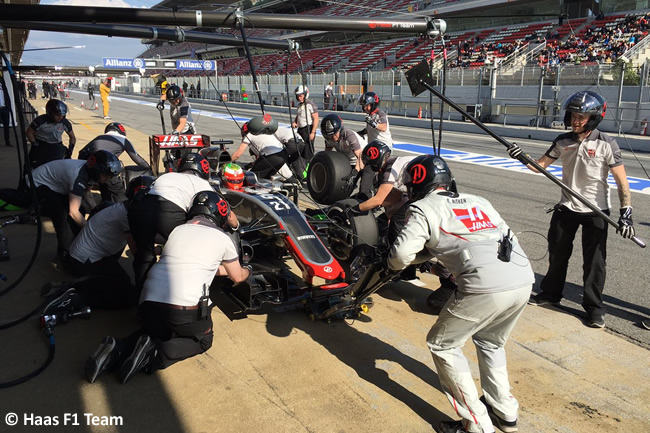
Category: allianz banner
<point>196,65</point>
<point>113,62</point>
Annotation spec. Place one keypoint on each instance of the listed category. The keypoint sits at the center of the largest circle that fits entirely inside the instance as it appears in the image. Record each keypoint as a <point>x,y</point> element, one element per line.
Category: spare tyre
<point>324,177</point>
<point>345,235</point>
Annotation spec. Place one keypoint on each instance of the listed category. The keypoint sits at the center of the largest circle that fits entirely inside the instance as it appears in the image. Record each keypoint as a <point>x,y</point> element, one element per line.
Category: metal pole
<point>142,32</point>
<point>539,95</point>
<point>525,159</point>
<point>619,110</point>
<point>240,22</point>
<point>197,18</point>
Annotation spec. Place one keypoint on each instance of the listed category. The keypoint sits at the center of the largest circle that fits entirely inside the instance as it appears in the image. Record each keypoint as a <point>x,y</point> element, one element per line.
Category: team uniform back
<point>179,188</point>
<point>116,144</point>
<point>185,267</point>
<point>104,235</point>
<point>463,232</point>
<point>65,176</point>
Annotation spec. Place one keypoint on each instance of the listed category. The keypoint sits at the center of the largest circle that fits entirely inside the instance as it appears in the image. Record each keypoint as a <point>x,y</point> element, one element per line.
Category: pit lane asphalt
<point>278,372</point>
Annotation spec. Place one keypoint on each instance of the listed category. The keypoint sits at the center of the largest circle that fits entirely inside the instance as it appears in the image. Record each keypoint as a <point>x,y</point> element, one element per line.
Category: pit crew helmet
<point>196,163</point>
<point>302,90</point>
<point>585,102</point>
<point>369,98</point>
<point>262,125</point>
<point>375,155</point>
<point>138,185</point>
<point>55,106</point>
<point>426,173</point>
<point>115,126</point>
<point>103,162</point>
<point>173,93</point>
<point>212,205</point>
<point>232,176</point>
<point>330,125</point>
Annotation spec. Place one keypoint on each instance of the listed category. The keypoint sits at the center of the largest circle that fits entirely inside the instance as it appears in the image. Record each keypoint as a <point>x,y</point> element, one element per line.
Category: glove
<point>625,225</point>
<point>68,154</point>
<point>517,153</point>
<point>371,121</point>
<point>349,179</point>
<point>160,105</point>
<point>353,211</point>
<point>426,267</point>
<point>176,132</point>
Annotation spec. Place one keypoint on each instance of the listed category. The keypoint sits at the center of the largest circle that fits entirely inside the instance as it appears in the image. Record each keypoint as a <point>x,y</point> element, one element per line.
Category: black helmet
<point>103,162</point>
<point>138,185</point>
<point>115,126</point>
<point>585,102</point>
<point>369,98</point>
<point>330,125</point>
<point>426,173</point>
<point>211,204</point>
<point>54,106</point>
<point>261,125</point>
<point>196,163</point>
<point>173,92</point>
<point>375,154</point>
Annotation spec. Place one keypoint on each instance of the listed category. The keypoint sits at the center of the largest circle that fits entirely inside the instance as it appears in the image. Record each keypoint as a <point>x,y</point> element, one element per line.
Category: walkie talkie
<point>204,304</point>
<point>505,248</point>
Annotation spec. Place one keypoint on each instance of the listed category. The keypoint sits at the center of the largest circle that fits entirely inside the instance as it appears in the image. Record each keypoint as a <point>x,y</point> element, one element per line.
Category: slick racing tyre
<point>346,235</point>
<point>324,177</point>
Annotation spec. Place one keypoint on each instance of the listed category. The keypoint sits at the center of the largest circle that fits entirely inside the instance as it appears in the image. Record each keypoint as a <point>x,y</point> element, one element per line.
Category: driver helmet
<point>232,176</point>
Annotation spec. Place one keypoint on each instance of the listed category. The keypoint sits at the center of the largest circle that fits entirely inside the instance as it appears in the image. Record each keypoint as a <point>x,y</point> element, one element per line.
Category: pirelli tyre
<point>324,177</point>
<point>347,234</point>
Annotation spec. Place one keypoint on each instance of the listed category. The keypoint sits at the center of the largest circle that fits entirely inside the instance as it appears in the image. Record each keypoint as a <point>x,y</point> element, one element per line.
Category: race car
<point>275,234</point>
<point>298,258</point>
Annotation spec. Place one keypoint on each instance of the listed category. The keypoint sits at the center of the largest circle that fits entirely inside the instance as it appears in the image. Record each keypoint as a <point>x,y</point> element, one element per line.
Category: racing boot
<point>451,427</point>
<point>65,300</point>
<point>141,359</point>
<point>106,357</point>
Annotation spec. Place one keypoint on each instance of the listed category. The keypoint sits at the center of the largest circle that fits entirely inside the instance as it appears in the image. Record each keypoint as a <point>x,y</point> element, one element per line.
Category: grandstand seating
<point>474,48</point>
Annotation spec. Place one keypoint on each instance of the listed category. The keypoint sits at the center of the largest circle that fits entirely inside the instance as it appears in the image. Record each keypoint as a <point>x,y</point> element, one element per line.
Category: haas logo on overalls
<point>474,219</point>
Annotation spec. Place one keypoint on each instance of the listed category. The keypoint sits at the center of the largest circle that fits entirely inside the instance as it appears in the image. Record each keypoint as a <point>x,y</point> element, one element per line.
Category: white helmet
<point>302,90</point>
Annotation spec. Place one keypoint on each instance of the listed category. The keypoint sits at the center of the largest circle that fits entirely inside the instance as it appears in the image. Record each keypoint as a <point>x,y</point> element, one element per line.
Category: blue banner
<point>196,65</point>
<point>113,62</point>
